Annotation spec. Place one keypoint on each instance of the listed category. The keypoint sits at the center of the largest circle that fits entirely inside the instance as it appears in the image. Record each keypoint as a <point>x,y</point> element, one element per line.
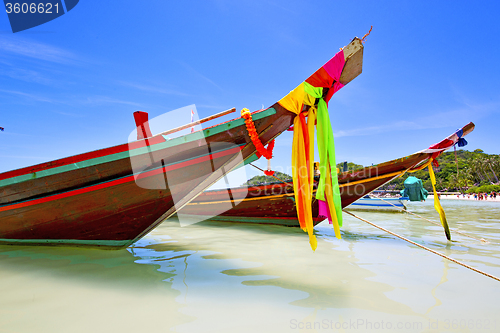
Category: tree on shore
<point>489,161</point>
<point>477,171</point>
<point>475,168</point>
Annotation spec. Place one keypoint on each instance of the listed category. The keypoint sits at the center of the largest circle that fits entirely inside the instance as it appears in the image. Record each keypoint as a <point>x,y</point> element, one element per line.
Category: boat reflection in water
<point>369,202</point>
<point>234,277</point>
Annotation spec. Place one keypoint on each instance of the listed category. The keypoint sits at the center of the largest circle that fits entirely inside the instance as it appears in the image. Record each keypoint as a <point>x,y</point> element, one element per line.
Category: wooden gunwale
<point>92,158</point>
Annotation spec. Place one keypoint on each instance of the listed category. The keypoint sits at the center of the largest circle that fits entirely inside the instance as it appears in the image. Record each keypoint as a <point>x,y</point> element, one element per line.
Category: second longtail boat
<point>275,203</point>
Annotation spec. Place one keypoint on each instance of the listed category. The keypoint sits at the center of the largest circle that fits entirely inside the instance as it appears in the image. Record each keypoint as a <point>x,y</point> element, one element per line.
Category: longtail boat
<point>93,199</point>
<point>274,203</point>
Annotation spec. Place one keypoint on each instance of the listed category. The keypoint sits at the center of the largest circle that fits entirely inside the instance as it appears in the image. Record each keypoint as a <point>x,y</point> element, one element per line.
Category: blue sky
<point>71,85</point>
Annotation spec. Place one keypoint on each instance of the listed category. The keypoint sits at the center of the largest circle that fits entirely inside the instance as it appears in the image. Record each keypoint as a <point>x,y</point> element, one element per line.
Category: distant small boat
<point>374,203</point>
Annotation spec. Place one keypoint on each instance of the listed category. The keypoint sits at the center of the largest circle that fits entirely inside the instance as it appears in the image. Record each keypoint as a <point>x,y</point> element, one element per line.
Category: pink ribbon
<point>324,212</point>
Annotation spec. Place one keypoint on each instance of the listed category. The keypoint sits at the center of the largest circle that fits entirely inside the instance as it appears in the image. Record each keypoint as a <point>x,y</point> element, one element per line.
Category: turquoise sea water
<point>228,277</point>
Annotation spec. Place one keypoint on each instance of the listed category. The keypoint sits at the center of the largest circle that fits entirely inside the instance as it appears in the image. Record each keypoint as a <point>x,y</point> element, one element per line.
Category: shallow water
<point>225,277</point>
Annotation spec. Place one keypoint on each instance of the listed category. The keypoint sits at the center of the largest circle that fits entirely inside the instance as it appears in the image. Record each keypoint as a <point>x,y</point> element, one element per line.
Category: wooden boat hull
<point>98,198</point>
<point>275,203</point>
<point>102,204</point>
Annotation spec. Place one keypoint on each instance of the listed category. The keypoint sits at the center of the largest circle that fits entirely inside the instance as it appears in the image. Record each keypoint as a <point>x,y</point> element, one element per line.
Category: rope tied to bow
<point>367,34</point>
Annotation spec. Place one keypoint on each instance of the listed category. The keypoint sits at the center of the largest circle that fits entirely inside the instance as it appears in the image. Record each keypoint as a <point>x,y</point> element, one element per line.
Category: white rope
<point>435,223</point>
<point>425,248</point>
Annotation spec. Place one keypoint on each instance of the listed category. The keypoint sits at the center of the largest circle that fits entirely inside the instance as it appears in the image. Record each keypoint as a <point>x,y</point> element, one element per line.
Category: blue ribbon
<point>461,141</point>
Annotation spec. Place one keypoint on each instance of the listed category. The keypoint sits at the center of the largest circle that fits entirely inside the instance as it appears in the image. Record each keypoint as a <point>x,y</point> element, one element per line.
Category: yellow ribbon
<point>437,204</point>
<point>303,178</point>
<point>296,98</point>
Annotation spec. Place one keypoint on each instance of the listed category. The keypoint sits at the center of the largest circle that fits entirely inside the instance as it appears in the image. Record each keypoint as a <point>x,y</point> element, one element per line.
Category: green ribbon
<point>326,149</point>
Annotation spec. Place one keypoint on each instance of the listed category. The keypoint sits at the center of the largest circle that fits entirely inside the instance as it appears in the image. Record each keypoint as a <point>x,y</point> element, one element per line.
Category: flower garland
<point>254,136</point>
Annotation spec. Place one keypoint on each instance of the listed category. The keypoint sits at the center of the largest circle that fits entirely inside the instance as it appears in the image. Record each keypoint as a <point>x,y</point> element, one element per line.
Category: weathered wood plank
<point>353,55</point>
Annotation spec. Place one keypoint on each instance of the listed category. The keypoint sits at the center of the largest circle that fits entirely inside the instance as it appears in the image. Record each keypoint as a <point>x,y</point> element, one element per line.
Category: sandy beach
<point>471,198</point>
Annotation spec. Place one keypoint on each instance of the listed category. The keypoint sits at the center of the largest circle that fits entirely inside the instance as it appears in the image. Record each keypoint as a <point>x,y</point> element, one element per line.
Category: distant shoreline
<point>454,197</point>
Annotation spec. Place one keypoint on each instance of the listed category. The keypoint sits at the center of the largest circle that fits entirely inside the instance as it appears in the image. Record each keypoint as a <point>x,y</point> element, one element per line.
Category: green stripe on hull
<point>65,168</point>
<point>138,151</point>
<point>92,242</point>
<point>113,180</point>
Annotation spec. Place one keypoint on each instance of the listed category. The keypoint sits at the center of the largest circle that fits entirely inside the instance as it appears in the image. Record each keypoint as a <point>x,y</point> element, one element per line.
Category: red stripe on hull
<point>82,157</point>
<point>118,210</point>
<point>120,181</point>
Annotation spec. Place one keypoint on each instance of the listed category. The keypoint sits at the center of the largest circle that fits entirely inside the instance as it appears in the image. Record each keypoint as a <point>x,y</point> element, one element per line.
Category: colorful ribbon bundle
<point>312,93</point>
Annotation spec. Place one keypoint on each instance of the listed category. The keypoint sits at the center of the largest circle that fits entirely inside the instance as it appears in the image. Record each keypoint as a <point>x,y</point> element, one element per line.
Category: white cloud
<point>457,117</point>
<point>27,75</point>
<point>153,89</point>
<point>29,96</point>
<point>109,100</point>
<point>93,100</point>
<point>36,50</point>
<point>392,127</point>
<point>191,69</point>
